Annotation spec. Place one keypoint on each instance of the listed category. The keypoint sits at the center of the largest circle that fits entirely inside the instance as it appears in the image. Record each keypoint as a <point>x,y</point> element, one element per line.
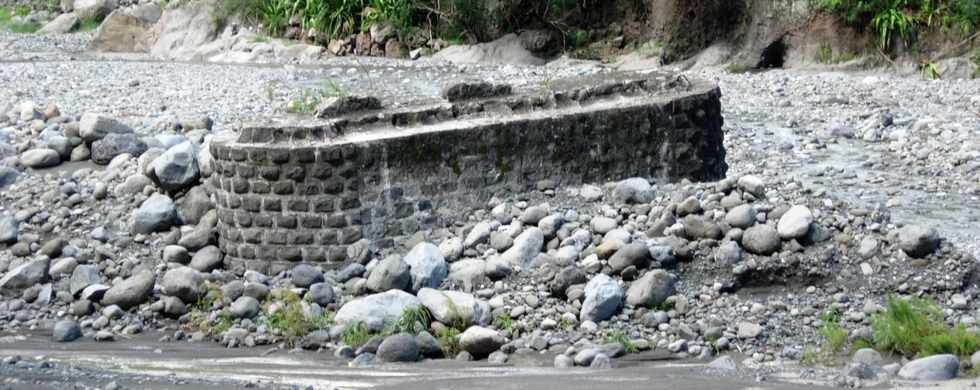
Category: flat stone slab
<point>290,193</point>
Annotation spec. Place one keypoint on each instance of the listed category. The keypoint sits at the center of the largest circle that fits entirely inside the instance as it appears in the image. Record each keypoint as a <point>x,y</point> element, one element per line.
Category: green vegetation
<point>7,15</point>
<point>809,356</point>
<point>89,25</point>
<point>889,19</point>
<point>356,334</point>
<point>449,340</point>
<point>504,322</point>
<point>289,320</point>
<point>565,323</point>
<point>734,68</point>
<point>914,327</point>
<point>833,335</point>
<point>929,70</point>
<point>414,320</point>
<point>621,338</point>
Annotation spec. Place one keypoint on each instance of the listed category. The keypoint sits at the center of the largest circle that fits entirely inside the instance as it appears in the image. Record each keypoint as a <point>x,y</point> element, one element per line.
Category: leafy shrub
<point>902,18</point>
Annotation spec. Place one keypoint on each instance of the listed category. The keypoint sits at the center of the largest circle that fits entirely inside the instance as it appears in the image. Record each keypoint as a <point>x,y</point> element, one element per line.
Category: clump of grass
<point>930,70</point>
<point>288,319</point>
<point>914,327</point>
<point>622,339</point>
<point>809,356</point>
<point>356,334</point>
<point>565,323</point>
<point>414,320</point>
<point>504,322</point>
<point>735,68</point>
<point>449,340</point>
<point>89,25</point>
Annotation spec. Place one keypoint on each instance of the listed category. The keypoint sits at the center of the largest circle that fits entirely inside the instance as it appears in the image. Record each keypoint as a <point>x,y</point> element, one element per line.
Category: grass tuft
<point>356,334</point>
<point>414,320</point>
<point>504,322</point>
<point>449,340</point>
<point>914,327</point>
<point>624,340</point>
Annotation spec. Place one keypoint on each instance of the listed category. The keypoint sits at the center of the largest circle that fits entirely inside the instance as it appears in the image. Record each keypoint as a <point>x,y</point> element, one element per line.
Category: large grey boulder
<point>194,205</point>
<point>185,283</point>
<point>652,289</point>
<point>40,158</point>
<point>305,275</point>
<point>454,307</point>
<point>115,144</point>
<point>8,176</point>
<point>82,277</point>
<point>428,266</point>
<point>636,254</point>
<point>207,259</point>
<point>526,247</point>
<point>93,127</point>
<point>9,229</point>
<point>741,216</point>
<point>94,9</point>
<point>26,275</point>
<point>130,292</point>
<point>761,240</point>
<point>121,32</point>
<point>918,241</point>
<point>66,331</point>
<point>478,235</point>
<point>177,168</point>
<point>245,307</point>
<point>63,24</point>
<point>374,310</point>
<point>794,223</point>
<point>321,293</point>
<point>398,348</point>
<point>480,341</point>
<point>505,50</point>
<point>932,368</point>
<point>157,213</point>
<point>603,297</point>
<point>634,190</point>
<point>390,274</point>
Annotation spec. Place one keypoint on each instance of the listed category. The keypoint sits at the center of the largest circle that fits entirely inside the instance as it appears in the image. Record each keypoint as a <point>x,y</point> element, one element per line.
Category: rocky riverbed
<point>843,189</point>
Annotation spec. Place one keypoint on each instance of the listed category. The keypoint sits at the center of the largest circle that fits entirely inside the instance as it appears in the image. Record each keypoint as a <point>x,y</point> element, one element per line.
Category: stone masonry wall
<point>303,194</point>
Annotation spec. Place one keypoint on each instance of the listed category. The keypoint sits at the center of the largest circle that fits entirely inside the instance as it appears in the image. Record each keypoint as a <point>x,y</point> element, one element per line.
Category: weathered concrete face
<point>289,194</point>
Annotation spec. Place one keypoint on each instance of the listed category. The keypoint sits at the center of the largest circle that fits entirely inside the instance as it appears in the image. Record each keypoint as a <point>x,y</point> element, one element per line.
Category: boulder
<point>741,216</point>
<point>40,158</point>
<point>82,277</point>
<point>177,168</point>
<point>66,331</point>
<point>454,307</point>
<point>427,266</point>
<point>603,298</point>
<point>194,205</point>
<point>398,348</point>
<point>918,241</point>
<point>636,254</point>
<point>761,240</point>
<point>932,368</point>
<point>795,223</point>
<point>93,127</point>
<point>480,341</point>
<point>185,283</point>
<point>321,293</point>
<point>207,259</point>
<point>374,310</point>
<point>26,275</point>
<point>652,289</point>
<point>245,307</point>
<point>390,274</point>
<point>63,24</point>
<point>121,32</point>
<point>157,213</point>
<point>505,50</point>
<point>93,9</point>
<point>526,247</point>
<point>130,292</point>
<point>9,229</point>
<point>634,190</point>
<point>115,144</point>
<point>305,275</point>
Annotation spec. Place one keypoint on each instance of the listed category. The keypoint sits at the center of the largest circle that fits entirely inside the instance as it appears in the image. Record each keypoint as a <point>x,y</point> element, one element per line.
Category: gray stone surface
<point>480,341</point>
<point>918,241</point>
<point>373,310</point>
<point>795,223</point>
<point>305,275</point>
<point>130,292</point>
<point>157,213</point>
<point>9,229</point>
<point>115,144</point>
<point>26,275</point>
<point>40,158</point>
<point>652,289</point>
<point>398,348</point>
<point>634,190</point>
<point>245,307</point>
<point>390,273</point>
<point>761,240</point>
<point>932,368</point>
<point>603,298</point>
<point>185,283</point>
<point>427,266</point>
<point>177,169</point>
<point>452,307</point>
<point>93,127</point>
<point>66,331</point>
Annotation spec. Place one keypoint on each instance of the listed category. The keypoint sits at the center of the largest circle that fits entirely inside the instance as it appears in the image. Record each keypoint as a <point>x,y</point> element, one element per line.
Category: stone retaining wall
<point>289,194</point>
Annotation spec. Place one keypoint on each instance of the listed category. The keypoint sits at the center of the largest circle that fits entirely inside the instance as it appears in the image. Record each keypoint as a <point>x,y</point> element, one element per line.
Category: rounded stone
<point>761,240</point>
<point>398,348</point>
